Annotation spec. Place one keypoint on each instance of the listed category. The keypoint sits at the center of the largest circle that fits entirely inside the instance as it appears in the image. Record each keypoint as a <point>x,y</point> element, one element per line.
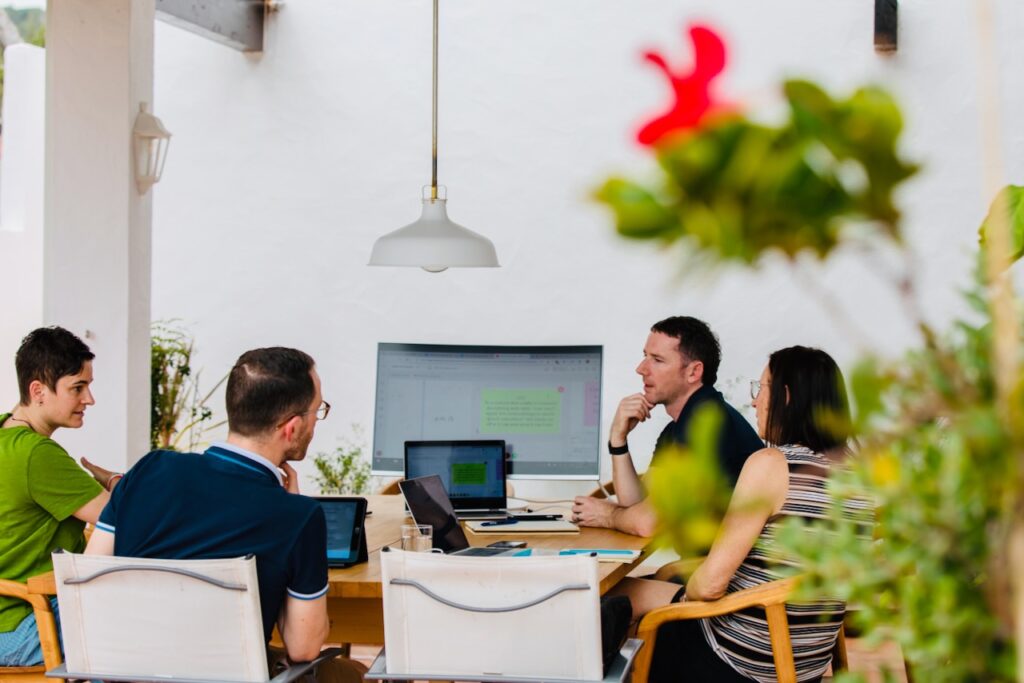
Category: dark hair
<point>267,387</point>
<point>814,412</point>
<point>47,354</point>
<point>696,342</point>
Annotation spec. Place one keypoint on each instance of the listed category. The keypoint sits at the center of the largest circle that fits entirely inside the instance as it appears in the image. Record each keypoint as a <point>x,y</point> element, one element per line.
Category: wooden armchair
<point>47,625</point>
<point>390,488</point>
<point>603,490</point>
<point>770,596</point>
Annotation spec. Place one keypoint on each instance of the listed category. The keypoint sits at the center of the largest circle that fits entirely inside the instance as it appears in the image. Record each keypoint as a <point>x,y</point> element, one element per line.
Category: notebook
<point>555,526</point>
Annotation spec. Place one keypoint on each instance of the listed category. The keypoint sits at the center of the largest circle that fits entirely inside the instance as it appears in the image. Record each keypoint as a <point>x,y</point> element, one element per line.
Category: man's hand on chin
<point>587,511</point>
<point>291,478</point>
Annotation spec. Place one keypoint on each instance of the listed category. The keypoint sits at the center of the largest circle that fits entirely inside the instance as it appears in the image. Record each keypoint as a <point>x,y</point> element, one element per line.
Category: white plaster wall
<point>286,166</point>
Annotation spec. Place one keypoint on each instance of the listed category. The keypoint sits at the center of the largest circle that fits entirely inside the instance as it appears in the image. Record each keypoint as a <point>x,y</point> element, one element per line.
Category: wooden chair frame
<point>48,640</point>
<point>604,490</point>
<point>770,596</point>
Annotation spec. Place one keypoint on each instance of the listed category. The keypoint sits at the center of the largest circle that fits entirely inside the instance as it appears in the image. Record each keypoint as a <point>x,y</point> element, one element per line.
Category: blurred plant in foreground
<point>941,431</point>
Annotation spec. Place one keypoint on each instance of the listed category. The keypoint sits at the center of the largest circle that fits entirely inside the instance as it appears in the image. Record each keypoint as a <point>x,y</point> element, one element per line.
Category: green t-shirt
<point>40,488</point>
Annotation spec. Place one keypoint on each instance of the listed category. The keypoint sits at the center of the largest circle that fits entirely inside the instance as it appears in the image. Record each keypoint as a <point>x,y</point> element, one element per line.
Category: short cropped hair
<point>696,342</point>
<point>267,387</point>
<point>47,354</point>
<point>815,411</point>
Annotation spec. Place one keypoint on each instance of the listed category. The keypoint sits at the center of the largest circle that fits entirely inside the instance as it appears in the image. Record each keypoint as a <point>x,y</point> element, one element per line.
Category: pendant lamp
<point>434,243</point>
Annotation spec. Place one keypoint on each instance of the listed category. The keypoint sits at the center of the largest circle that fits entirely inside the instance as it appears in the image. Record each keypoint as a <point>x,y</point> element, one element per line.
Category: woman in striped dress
<point>798,387</point>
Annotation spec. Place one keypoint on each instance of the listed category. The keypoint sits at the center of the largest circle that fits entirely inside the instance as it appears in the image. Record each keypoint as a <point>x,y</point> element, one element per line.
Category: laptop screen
<point>344,526</point>
<point>472,472</point>
<point>429,504</point>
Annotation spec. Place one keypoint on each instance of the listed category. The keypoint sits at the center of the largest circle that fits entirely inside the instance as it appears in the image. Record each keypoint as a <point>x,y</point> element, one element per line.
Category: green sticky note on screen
<point>520,411</point>
<point>469,473</point>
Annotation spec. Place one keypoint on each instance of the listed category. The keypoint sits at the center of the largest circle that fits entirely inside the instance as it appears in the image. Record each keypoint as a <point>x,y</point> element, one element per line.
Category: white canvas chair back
<point>533,617</point>
<point>191,619</point>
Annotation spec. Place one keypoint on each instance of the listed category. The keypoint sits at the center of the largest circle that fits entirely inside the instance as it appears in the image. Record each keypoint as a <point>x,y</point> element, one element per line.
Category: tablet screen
<point>344,523</point>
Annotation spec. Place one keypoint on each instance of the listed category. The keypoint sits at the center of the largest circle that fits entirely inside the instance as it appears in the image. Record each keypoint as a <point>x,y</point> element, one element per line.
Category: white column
<point>96,252</point>
<point>21,205</point>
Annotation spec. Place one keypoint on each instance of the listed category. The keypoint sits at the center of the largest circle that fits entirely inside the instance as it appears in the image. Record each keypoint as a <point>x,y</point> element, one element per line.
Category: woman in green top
<point>45,497</point>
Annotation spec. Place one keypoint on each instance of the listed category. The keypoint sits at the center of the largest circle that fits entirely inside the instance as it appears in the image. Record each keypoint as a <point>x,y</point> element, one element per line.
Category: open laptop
<point>472,473</point>
<point>346,536</point>
<point>429,504</point>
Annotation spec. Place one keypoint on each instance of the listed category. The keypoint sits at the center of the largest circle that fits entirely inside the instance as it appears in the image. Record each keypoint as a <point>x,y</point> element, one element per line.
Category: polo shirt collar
<point>704,393</point>
<point>248,455</point>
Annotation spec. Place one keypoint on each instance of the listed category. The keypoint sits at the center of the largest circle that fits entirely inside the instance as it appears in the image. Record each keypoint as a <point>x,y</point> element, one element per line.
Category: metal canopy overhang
<point>235,23</point>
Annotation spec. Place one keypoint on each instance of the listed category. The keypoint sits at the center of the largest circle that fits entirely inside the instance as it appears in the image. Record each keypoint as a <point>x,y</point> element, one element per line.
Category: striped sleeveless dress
<point>741,639</point>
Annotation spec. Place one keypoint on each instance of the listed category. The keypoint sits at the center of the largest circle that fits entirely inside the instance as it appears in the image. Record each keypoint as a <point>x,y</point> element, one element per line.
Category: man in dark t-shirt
<point>679,371</point>
<point>240,497</point>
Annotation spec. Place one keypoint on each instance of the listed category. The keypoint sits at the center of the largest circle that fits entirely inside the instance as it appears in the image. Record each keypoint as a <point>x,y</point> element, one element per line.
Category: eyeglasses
<point>322,412</point>
<point>756,386</point>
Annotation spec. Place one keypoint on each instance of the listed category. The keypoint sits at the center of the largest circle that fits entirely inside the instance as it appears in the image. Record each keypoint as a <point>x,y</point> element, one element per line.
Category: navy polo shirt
<point>227,502</point>
<point>736,441</point>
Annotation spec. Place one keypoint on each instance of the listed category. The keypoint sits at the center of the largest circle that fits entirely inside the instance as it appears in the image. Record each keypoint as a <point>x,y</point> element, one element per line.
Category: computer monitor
<point>543,401</point>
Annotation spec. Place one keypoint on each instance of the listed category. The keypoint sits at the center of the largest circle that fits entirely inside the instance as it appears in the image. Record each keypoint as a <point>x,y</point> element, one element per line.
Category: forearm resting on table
<point>638,519</point>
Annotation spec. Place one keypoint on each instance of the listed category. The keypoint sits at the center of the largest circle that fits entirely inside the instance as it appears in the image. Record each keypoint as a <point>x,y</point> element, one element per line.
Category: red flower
<point>692,90</point>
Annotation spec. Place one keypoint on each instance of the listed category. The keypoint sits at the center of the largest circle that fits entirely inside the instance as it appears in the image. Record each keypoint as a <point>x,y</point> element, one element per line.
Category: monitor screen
<point>543,401</point>
<point>473,472</point>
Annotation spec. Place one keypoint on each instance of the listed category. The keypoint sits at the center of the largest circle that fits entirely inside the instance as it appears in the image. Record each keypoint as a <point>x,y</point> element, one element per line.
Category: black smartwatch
<point>618,450</point>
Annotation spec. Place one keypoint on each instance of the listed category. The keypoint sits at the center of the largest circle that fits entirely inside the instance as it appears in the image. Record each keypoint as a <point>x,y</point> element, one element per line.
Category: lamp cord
<point>433,149</point>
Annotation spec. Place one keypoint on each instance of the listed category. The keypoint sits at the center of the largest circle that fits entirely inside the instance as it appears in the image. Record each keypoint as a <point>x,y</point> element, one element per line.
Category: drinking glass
<point>417,538</point>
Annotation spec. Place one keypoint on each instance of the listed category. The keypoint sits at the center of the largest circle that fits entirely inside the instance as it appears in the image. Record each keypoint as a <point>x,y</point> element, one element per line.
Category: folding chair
<point>189,621</point>
<point>495,619</point>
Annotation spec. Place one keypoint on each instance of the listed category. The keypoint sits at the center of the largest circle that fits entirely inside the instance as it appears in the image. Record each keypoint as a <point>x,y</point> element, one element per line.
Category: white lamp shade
<point>434,243</point>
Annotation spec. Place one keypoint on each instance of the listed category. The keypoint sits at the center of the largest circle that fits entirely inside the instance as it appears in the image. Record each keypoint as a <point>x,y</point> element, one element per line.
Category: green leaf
<point>637,213</point>
<point>1011,201</point>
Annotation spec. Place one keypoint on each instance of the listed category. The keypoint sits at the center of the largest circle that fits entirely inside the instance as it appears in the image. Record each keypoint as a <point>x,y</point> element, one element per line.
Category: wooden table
<point>354,594</point>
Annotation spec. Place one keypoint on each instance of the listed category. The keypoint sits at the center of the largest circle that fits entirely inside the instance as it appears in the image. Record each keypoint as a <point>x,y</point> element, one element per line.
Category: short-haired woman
<point>802,411</point>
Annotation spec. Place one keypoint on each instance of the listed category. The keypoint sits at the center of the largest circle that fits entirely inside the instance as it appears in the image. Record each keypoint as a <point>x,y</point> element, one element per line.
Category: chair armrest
<point>768,595</point>
<point>13,589</point>
<point>622,665</point>
<point>297,670</point>
<point>46,624</point>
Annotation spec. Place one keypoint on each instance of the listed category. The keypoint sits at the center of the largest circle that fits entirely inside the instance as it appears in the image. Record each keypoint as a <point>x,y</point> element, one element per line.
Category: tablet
<point>346,536</point>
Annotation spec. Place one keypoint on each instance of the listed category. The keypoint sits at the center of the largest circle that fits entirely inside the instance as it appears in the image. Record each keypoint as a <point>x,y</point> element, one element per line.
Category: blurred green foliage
<point>937,448</point>
<point>939,463</point>
<point>688,488</point>
<point>735,189</point>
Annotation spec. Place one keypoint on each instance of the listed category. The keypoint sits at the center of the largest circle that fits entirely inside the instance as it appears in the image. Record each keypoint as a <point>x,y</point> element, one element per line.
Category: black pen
<point>500,522</point>
<point>538,518</point>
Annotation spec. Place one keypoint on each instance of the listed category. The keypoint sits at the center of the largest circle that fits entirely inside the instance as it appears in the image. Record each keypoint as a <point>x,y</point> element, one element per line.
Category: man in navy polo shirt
<point>679,371</point>
<point>240,497</point>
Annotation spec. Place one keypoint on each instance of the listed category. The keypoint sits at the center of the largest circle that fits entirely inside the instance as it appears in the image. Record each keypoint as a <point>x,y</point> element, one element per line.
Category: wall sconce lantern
<point>149,141</point>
